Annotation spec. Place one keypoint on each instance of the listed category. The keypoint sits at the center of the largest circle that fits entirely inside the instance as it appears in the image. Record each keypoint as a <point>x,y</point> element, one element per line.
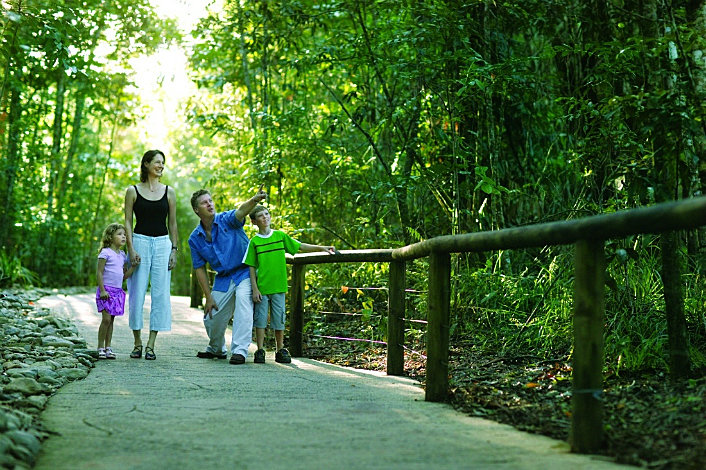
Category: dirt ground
<point>649,421</point>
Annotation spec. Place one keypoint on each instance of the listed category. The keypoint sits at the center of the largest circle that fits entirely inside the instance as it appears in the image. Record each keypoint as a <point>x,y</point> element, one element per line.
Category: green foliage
<point>12,273</point>
<point>514,314</point>
<point>375,124</point>
<point>63,104</point>
<point>353,297</point>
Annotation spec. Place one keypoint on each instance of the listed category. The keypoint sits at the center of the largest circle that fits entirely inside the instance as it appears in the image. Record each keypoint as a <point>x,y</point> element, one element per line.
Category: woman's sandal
<point>149,354</point>
<point>137,352</point>
<point>101,353</point>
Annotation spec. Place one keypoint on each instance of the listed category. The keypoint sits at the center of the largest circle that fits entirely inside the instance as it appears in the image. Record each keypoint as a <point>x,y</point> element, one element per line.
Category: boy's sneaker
<point>259,356</point>
<point>282,356</point>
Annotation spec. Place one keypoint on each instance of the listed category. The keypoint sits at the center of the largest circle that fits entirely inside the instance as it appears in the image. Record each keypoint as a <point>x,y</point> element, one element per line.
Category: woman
<point>152,247</point>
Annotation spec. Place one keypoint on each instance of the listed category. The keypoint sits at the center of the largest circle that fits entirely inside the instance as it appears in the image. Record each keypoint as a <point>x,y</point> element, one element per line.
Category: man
<point>220,241</point>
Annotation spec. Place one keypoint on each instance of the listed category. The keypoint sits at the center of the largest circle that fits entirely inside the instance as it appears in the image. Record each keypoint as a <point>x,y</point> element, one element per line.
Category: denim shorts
<point>274,304</point>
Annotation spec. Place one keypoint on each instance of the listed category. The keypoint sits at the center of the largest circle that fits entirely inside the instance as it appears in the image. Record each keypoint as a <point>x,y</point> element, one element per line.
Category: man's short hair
<point>195,197</point>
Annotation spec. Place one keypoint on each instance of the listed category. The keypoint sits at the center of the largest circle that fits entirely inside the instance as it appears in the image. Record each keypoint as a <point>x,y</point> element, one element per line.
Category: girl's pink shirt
<point>114,262</point>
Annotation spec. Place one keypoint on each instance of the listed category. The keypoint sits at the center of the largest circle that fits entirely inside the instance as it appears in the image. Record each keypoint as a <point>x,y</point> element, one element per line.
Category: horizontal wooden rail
<point>588,234</point>
<point>684,214</point>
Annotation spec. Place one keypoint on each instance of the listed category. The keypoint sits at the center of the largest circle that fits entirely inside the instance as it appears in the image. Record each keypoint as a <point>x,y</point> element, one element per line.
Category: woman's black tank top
<point>151,215</point>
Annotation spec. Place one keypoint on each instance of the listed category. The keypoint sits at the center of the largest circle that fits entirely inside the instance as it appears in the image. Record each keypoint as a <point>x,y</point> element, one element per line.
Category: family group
<point>251,274</point>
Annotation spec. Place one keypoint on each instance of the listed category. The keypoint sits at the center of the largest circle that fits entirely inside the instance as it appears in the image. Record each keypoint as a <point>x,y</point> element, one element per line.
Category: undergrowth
<point>515,303</point>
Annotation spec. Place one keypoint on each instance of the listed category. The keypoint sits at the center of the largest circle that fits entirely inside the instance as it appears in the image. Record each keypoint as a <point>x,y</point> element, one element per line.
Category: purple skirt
<point>114,304</point>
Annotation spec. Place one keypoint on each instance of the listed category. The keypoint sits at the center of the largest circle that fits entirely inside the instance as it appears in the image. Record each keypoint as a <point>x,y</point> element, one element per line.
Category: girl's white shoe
<point>101,353</point>
<point>109,354</point>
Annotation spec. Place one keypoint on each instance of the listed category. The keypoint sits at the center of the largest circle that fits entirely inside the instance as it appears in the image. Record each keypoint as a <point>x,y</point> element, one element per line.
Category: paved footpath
<point>188,413</point>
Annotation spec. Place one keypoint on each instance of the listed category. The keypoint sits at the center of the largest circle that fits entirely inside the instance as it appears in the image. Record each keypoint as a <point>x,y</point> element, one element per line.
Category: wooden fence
<point>587,234</point>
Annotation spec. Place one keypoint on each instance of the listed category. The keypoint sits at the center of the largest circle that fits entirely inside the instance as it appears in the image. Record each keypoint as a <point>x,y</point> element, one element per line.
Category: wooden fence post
<point>439,299</point>
<point>296,321</point>
<point>395,318</point>
<point>589,303</point>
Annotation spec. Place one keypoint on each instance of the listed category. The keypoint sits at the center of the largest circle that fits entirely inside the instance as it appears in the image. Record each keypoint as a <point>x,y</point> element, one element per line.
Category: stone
<point>23,372</point>
<point>26,445</point>
<point>57,342</point>
<point>54,382</point>
<point>74,374</point>
<point>36,401</point>
<point>39,353</point>
<point>8,421</point>
<point>25,386</point>
<point>45,371</point>
<point>12,364</point>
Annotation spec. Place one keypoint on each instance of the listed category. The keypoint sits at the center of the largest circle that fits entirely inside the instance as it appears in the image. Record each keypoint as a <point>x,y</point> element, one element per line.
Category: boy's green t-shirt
<point>266,253</point>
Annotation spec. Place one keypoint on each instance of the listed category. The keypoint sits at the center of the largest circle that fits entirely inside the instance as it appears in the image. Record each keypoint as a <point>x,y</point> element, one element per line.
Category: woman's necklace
<point>149,187</point>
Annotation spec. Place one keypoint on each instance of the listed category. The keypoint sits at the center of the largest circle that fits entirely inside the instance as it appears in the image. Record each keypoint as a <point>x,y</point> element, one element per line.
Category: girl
<point>110,297</point>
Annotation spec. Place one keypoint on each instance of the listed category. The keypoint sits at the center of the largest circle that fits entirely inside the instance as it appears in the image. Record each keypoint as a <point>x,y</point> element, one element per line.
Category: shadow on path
<point>188,413</point>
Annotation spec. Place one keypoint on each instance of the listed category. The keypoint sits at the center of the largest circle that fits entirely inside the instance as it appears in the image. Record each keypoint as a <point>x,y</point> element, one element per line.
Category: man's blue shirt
<point>225,251</point>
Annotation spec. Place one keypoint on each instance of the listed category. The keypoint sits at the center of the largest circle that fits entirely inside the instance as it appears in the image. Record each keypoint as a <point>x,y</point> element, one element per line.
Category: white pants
<point>153,270</point>
<point>236,302</point>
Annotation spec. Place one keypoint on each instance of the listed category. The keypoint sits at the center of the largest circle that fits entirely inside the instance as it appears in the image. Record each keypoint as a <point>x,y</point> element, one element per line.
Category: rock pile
<point>39,353</point>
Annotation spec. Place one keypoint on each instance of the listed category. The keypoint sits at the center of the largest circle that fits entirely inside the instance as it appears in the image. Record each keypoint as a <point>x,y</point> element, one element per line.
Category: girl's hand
<point>172,260</point>
<point>104,295</point>
<point>135,258</point>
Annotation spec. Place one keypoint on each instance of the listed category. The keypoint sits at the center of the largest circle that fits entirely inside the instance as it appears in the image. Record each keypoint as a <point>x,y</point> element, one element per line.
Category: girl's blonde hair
<point>108,233</point>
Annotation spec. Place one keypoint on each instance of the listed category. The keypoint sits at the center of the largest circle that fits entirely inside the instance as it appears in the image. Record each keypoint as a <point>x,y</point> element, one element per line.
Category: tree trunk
<point>11,166</point>
<point>679,362</point>
<point>667,172</point>
<point>246,69</point>
<point>61,195</point>
<point>55,160</point>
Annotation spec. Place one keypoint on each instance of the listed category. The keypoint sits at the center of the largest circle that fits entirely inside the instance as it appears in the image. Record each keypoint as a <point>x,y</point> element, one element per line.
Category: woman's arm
<point>173,232</point>
<point>130,196</point>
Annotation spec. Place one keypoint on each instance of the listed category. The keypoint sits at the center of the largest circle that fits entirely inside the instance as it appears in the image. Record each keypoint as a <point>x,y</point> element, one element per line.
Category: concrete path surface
<point>181,412</point>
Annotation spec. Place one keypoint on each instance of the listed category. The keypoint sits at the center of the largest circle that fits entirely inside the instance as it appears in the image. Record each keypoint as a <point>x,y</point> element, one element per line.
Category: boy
<point>268,277</point>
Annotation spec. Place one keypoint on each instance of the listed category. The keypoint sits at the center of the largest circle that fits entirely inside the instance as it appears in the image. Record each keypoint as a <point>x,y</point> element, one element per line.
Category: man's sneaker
<point>259,356</point>
<point>282,356</point>
<point>210,355</point>
<point>237,359</point>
